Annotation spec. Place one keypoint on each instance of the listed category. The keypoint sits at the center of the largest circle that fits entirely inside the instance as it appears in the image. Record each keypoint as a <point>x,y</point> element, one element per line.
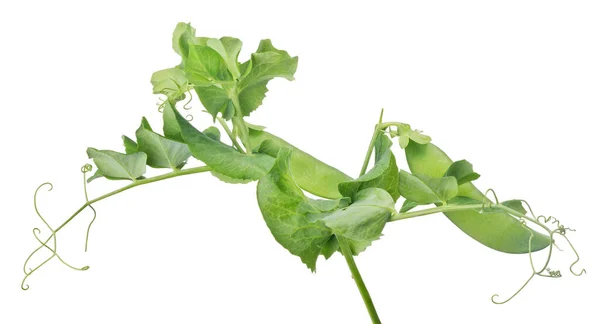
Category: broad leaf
<point>279,199</point>
<point>161,151</point>
<point>445,188</point>
<point>362,222</point>
<point>115,166</point>
<point>216,100</point>
<point>131,146</point>
<point>266,63</point>
<point>220,157</point>
<point>463,172</point>
<point>229,49</point>
<point>170,126</point>
<point>204,66</point>
<point>414,189</point>
<point>384,173</point>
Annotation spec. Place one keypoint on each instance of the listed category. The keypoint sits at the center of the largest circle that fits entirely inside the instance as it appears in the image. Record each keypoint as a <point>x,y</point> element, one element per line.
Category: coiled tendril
<point>52,237</point>
<point>542,221</point>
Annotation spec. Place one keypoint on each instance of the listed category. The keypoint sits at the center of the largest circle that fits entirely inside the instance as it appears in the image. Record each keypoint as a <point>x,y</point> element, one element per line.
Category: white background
<point>512,86</point>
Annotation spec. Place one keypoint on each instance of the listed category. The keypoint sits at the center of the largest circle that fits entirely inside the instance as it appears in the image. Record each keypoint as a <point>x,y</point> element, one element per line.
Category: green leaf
<point>462,200</point>
<point>170,126</point>
<point>229,49</point>
<point>384,173</point>
<point>279,199</point>
<point>405,133</point>
<point>216,100</point>
<point>362,222</point>
<point>115,166</point>
<point>213,133</point>
<point>184,36</point>
<point>408,205</point>
<point>131,146</point>
<point>414,189</point>
<point>252,96</point>
<point>516,205</point>
<point>161,151</point>
<point>266,63</point>
<point>170,82</point>
<point>220,157</point>
<point>462,171</point>
<point>445,188</point>
<point>205,67</point>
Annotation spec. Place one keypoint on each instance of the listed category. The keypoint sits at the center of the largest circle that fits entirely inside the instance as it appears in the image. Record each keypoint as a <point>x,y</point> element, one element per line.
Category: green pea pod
<point>497,230</point>
<point>309,173</point>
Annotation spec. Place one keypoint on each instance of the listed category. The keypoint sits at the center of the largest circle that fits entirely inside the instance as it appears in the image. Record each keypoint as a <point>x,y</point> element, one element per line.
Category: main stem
<point>364,293</point>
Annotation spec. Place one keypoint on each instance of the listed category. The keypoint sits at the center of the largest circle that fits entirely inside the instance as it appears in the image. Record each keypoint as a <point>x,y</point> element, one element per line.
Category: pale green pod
<point>497,230</point>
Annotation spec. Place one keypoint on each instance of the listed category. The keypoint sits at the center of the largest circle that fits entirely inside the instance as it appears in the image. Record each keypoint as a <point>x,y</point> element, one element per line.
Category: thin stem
<point>379,127</point>
<point>346,251</point>
<point>452,208</point>
<point>230,134</point>
<point>370,150</point>
<point>429,211</point>
<point>134,184</point>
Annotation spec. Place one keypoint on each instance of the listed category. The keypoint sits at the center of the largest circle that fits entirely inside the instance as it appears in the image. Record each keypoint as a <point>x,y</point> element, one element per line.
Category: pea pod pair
<point>497,230</point>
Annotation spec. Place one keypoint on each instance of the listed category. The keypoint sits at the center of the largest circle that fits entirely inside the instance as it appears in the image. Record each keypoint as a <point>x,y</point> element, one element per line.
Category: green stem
<point>134,184</point>
<point>379,127</point>
<point>230,134</point>
<point>346,251</point>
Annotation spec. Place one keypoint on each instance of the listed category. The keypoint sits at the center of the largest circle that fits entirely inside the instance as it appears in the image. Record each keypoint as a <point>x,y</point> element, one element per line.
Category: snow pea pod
<point>309,173</point>
<point>497,230</point>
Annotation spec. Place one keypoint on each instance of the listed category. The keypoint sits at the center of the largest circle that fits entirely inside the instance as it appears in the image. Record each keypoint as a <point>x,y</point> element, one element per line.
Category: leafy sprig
<point>351,213</point>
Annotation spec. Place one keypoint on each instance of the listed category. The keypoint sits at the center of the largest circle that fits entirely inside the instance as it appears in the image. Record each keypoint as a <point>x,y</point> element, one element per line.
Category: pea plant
<point>349,214</point>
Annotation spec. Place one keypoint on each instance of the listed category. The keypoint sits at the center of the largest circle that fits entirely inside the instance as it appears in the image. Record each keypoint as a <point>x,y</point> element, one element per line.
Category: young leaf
<point>220,157</point>
<point>115,166</point>
<point>184,36</point>
<point>408,205</point>
<point>162,152</point>
<point>170,82</point>
<point>516,205</point>
<point>405,134</point>
<point>130,145</point>
<point>384,173</point>
<point>279,199</point>
<point>213,133</point>
<point>463,172</point>
<point>362,222</point>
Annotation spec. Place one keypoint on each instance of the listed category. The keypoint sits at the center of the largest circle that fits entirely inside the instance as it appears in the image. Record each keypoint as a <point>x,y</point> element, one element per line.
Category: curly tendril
<point>44,243</point>
<point>539,220</point>
<point>85,169</point>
